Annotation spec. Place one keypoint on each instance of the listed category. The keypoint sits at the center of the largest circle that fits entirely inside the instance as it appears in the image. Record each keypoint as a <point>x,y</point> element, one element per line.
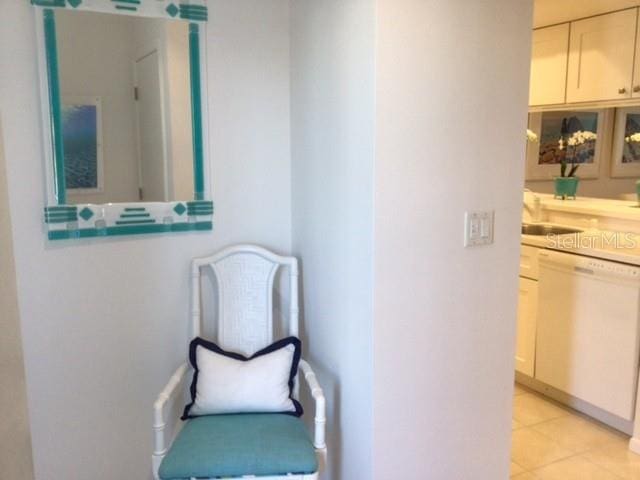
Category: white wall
<point>15,438</point>
<point>100,65</point>
<point>332,125</point>
<point>101,342</point>
<point>452,89</point>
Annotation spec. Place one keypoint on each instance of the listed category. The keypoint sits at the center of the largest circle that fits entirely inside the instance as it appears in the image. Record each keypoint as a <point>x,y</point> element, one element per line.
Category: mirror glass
<point>631,144</point>
<point>126,108</point>
<point>601,146</point>
<point>556,135</point>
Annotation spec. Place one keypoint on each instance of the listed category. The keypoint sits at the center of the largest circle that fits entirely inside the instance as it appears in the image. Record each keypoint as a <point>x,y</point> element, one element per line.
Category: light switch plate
<point>478,228</point>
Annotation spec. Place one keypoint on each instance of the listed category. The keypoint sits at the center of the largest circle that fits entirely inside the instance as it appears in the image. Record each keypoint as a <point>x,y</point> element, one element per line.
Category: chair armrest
<point>318,396</point>
<point>159,406</point>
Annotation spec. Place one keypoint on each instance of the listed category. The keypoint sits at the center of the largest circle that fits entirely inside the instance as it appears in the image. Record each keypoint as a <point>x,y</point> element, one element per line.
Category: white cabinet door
<point>549,56</point>
<point>601,55</point>
<point>636,70</point>
<point>527,319</point>
<point>529,262</point>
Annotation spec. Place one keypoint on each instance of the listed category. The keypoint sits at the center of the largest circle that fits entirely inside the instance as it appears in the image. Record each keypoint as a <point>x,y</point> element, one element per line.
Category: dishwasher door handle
<point>586,271</point>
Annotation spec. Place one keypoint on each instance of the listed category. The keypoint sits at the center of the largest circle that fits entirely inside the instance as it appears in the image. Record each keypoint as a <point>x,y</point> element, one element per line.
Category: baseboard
<point>621,424</point>
<point>634,445</point>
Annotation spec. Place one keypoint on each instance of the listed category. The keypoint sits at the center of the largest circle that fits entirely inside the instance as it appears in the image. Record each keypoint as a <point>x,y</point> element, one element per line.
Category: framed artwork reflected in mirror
<point>625,161</point>
<point>545,155</point>
<point>82,140</point>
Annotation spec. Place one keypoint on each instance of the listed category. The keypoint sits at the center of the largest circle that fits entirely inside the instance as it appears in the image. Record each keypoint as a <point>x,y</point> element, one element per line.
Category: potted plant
<point>566,185</point>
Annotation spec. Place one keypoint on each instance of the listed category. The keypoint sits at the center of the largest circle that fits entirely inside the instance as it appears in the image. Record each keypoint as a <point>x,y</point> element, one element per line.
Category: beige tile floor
<point>551,442</point>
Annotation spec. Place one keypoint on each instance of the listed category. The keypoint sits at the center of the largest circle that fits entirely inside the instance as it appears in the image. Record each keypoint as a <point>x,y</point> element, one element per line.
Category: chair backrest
<point>244,277</point>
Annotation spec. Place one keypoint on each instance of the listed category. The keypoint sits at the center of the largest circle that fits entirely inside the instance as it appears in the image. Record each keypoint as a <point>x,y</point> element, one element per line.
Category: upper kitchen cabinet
<point>636,70</point>
<point>601,56</point>
<point>550,50</point>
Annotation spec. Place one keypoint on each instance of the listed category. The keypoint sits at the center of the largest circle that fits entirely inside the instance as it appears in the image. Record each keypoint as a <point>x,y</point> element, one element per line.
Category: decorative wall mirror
<point>123,112</point>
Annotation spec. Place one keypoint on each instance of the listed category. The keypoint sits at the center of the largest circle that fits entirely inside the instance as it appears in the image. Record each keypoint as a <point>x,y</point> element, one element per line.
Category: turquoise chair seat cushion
<point>259,444</point>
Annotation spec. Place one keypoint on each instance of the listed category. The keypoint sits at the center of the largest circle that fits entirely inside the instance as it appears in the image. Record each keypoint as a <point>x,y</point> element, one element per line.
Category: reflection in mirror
<point>557,130</point>
<point>626,141</point>
<point>573,138</point>
<point>631,151</point>
<point>608,163</point>
<point>126,108</point>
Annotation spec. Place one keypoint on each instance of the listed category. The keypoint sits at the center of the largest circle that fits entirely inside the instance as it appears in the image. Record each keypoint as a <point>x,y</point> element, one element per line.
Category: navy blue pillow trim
<point>297,354</point>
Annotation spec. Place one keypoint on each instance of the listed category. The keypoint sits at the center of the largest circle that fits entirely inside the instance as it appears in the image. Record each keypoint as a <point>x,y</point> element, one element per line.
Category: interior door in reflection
<point>153,165</point>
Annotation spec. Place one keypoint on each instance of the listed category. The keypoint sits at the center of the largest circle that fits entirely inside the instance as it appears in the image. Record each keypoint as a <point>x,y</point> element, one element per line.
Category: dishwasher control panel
<point>588,265</point>
<point>612,267</point>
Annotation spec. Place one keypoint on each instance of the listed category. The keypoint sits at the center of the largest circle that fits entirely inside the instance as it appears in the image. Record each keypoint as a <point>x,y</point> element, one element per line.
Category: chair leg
<point>321,454</point>
<point>156,460</point>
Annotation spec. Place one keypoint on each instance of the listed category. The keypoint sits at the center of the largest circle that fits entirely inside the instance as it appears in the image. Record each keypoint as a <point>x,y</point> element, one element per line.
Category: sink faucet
<point>537,204</point>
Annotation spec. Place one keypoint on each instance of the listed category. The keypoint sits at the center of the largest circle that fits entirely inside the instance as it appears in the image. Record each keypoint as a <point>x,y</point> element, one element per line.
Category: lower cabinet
<point>527,318</point>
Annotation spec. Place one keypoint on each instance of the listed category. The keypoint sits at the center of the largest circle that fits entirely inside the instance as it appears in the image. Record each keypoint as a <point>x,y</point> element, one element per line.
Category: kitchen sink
<point>541,229</point>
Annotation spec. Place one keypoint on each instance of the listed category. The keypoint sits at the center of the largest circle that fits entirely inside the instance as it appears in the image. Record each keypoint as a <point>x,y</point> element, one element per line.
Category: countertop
<point>614,246</point>
<point>603,207</point>
<point>606,243</point>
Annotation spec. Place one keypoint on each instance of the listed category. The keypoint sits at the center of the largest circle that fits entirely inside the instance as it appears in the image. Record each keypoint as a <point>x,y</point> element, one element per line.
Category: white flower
<point>580,137</point>
<point>560,145</point>
<point>633,138</point>
<point>531,136</point>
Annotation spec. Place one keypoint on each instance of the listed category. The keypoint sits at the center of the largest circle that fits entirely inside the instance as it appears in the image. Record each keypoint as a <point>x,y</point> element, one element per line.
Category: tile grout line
<point>602,467</point>
<point>580,453</point>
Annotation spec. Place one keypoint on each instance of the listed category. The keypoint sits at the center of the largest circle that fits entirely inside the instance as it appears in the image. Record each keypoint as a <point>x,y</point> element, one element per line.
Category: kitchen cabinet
<point>635,91</point>
<point>549,57</point>
<point>527,310</point>
<point>529,261</point>
<point>601,57</point>
<point>527,318</point>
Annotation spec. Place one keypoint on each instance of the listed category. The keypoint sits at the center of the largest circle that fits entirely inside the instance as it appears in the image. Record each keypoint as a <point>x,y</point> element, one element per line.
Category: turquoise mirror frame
<point>66,221</point>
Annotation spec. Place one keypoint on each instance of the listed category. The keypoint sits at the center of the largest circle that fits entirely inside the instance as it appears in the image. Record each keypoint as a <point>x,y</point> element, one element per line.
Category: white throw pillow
<point>227,382</point>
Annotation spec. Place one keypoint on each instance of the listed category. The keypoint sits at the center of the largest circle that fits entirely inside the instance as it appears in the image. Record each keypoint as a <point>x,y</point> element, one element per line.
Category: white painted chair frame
<point>176,385</point>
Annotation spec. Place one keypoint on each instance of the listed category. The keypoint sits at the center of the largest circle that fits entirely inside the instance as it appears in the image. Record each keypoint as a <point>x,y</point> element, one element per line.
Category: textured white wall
<point>332,125</point>
<point>15,438</point>
<point>104,321</point>
<point>452,88</point>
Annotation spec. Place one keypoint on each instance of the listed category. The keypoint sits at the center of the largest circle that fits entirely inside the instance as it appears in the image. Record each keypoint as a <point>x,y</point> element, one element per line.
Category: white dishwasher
<point>587,340</point>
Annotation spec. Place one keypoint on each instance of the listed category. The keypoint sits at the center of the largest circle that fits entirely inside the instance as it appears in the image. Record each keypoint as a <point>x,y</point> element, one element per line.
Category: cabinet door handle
<point>622,91</point>
<point>636,89</point>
